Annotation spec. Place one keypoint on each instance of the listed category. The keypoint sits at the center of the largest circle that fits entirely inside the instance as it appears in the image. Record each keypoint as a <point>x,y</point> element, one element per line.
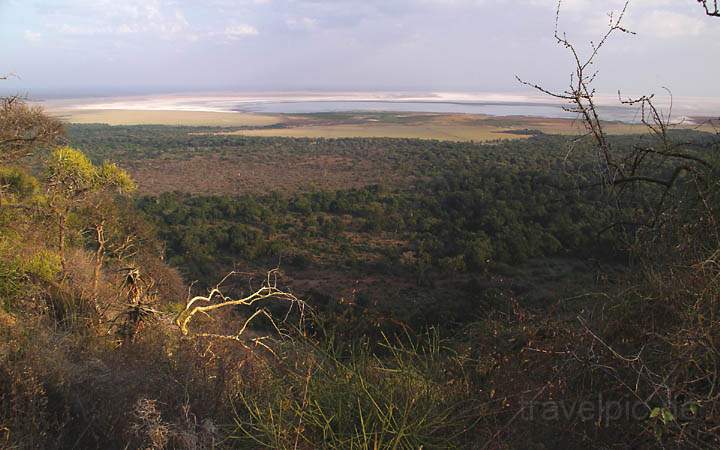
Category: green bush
<point>18,182</point>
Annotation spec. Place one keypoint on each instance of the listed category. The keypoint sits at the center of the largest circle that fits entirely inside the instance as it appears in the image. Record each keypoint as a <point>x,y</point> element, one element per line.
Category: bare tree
<point>661,162</point>
<point>580,95</point>
<point>672,363</point>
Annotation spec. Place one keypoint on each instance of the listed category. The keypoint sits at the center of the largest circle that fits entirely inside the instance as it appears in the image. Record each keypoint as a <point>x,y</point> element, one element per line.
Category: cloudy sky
<point>409,45</point>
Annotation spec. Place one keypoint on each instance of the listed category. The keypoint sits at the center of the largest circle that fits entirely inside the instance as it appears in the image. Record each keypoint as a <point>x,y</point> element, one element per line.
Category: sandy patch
<point>191,118</point>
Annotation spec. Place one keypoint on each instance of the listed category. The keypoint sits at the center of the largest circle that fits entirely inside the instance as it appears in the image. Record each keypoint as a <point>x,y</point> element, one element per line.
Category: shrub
<point>18,182</point>
<point>45,265</point>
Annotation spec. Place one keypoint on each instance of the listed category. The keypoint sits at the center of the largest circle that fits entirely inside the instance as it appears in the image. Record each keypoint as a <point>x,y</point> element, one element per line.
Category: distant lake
<point>491,104</point>
<point>624,114</point>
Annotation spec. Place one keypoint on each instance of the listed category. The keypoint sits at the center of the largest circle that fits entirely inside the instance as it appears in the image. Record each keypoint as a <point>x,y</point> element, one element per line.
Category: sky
<point>134,46</point>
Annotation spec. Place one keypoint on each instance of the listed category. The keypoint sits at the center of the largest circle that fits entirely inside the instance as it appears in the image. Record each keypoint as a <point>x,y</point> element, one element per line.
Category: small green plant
<point>11,282</point>
<point>45,265</point>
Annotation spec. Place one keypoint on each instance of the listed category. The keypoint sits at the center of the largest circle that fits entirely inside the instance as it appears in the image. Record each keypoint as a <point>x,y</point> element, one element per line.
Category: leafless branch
<point>712,8</point>
<point>216,300</point>
<point>580,95</point>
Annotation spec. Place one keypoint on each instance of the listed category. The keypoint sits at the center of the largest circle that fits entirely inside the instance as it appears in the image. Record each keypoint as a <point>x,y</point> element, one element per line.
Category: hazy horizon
<point>530,104</point>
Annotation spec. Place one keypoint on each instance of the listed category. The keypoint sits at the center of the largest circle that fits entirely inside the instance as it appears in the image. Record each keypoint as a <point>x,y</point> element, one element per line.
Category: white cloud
<point>74,30</point>
<point>647,18</point>
<point>84,17</point>
<point>32,36</point>
<point>235,32</point>
<point>127,29</point>
<point>301,23</point>
<point>174,25</point>
<point>161,19</point>
<point>585,5</point>
<point>667,24</point>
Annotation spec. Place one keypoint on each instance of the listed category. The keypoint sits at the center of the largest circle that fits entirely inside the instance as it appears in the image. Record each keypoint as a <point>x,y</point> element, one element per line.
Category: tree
<point>72,181</point>
<point>23,128</point>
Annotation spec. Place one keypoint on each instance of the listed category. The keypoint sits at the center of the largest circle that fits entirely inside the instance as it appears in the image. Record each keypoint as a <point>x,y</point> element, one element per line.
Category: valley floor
<point>449,127</point>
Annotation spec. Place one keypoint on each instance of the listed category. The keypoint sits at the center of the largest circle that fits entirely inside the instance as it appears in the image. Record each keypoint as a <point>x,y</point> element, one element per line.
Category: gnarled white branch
<point>217,300</point>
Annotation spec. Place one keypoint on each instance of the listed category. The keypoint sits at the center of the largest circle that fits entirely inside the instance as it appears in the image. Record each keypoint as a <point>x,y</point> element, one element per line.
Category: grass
<point>453,133</point>
<point>444,127</point>
<point>350,398</point>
